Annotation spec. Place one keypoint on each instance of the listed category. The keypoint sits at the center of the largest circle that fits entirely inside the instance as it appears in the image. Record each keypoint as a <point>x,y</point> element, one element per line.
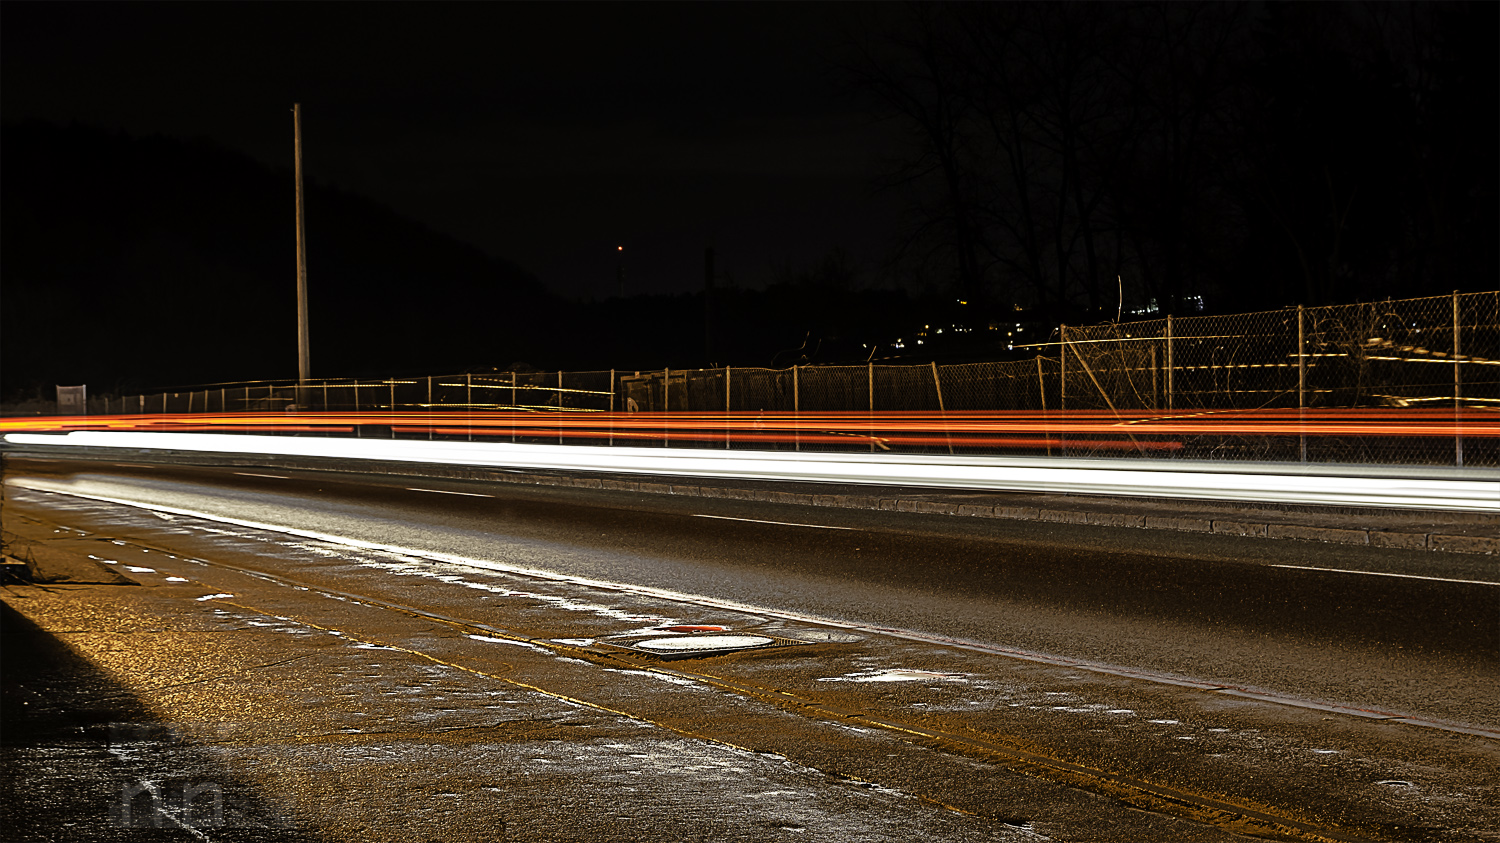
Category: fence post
<point>1301,381</point>
<point>429,406</point>
<point>1062,368</point>
<point>726,408</point>
<point>1458,385</point>
<point>1062,387</point>
<point>515,410</point>
<point>1301,359</point>
<point>942,409</point>
<point>1170,388</point>
<point>796,412</point>
<point>559,407</point>
<point>1041,383</point>
<point>870,379</point>
<point>666,405</point>
<point>242,409</point>
<point>469,403</point>
<point>611,406</point>
<point>1155,387</point>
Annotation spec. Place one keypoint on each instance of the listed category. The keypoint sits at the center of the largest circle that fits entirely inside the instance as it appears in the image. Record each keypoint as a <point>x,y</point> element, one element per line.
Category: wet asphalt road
<point>1209,607</point>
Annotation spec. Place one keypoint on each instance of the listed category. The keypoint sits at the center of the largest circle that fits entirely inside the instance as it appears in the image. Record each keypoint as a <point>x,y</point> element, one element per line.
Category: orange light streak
<point>965,429</point>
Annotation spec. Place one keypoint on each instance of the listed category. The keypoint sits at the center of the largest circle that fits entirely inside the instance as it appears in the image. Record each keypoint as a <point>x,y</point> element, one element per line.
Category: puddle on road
<point>665,677</point>
<point>527,644</point>
<point>898,675</point>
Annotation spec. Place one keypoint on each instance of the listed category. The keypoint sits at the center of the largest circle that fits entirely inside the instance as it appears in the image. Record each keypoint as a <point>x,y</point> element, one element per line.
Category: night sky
<point>858,169</point>
<point>545,134</point>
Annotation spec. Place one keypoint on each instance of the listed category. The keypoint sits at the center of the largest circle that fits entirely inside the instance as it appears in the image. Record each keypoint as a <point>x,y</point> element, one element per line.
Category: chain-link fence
<point>1414,355</point>
<point>1417,352</point>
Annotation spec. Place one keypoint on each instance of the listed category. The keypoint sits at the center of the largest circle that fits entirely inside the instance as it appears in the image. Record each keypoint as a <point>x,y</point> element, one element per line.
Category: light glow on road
<point>1378,486</point>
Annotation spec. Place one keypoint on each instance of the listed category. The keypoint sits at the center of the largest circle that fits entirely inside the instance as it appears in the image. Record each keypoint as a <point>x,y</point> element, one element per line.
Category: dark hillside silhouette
<point>138,262</point>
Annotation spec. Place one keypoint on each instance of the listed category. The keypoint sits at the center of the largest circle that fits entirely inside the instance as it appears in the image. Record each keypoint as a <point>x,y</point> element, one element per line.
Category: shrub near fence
<point>1416,353</point>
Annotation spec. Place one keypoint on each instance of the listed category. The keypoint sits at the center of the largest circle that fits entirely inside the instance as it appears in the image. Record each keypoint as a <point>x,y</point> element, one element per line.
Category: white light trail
<point>1379,486</point>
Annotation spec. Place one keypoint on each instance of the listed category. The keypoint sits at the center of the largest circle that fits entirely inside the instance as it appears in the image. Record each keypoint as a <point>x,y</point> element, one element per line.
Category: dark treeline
<point>817,314</point>
<point>1259,155</point>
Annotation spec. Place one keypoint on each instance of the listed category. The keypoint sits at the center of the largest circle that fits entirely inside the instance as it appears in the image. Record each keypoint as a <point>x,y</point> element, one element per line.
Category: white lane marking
<point>272,476</point>
<point>1383,574</point>
<point>446,492</point>
<point>758,521</point>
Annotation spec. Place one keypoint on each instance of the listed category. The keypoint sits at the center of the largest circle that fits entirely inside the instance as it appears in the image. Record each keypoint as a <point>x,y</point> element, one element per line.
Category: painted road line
<point>1384,574</point>
<point>446,492</point>
<point>759,521</point>
<point>272,476</point>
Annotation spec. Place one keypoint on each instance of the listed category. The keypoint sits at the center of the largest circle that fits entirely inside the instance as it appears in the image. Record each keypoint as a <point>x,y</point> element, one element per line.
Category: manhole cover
<point>700,643</point>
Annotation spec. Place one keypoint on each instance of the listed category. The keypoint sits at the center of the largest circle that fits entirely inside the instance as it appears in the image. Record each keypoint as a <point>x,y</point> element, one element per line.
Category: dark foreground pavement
<point>241,685</point>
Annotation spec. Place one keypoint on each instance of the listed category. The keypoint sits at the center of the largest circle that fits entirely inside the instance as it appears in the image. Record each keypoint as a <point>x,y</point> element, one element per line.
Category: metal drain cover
<point>700,643</point>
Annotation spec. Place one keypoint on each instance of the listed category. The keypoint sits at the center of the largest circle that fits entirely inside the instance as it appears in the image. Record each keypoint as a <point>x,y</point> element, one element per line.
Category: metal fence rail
<point>1427,353</point>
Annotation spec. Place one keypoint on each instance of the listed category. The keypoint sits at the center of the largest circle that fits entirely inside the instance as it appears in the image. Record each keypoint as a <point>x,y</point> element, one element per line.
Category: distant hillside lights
<point>1194,302</point>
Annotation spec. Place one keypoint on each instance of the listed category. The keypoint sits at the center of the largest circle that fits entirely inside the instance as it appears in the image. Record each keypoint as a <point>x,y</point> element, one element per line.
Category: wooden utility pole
<point>304,363</point>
